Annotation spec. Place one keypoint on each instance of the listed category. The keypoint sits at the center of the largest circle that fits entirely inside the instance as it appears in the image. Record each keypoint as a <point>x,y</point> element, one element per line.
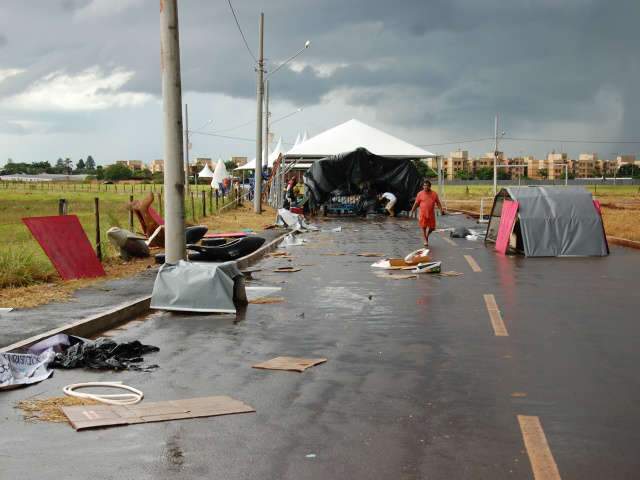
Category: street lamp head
<point>307,44</point>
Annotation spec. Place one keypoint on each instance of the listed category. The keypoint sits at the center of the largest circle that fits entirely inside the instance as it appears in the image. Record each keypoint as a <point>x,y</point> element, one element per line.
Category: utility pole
<point>257,200</point>
<point>186,147</point>
<point>495,160</point>
<point>265,150</point>
<point>175,248</point>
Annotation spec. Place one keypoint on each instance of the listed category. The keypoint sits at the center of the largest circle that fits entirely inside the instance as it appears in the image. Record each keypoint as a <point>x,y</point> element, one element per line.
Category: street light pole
<point>186,147</point>
<point>175,248</point>
<point>257,200</point>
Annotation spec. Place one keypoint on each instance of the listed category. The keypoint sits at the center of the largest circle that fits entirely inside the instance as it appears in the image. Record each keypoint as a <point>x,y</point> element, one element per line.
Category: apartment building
<point>134,165</point>
<point>156,166</point>
<point>239,161</point>
<point>588,165</point>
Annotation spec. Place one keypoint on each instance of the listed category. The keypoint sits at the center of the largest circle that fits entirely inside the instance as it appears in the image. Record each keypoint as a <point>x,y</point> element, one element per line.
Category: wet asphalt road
<point>416,386</point>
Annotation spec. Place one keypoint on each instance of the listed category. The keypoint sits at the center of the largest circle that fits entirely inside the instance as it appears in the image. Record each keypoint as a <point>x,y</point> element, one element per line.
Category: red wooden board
<point>226,235</point>
<point>67,246</point>
<point>507,222</point>
<point>156,216</point>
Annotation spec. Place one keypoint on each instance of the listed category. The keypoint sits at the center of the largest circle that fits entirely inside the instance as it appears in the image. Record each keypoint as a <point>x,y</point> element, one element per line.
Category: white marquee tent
<point>219,174</point>
<point>273,156</point>
<point>352,135</point>
<point>205,172</point>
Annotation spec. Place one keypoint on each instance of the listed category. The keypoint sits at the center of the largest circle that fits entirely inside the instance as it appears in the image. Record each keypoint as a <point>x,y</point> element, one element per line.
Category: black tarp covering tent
<point>551,222</point>
<point>346,172</point>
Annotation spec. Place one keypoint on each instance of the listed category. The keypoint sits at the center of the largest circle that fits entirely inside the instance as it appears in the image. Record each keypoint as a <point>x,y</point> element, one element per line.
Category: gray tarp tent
<point>552,222</point>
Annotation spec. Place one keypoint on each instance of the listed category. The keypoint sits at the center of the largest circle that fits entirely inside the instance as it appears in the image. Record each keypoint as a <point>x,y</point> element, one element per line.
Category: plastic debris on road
<point>19,369</point>
<point>105,354</point>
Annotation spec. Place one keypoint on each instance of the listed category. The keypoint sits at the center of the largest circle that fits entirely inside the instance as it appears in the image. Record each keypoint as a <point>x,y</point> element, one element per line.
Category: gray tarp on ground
<point>554,221</point>
<point>196,287</point>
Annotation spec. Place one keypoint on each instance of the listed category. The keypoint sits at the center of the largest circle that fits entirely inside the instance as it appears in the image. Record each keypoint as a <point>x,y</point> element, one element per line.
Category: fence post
<point>217,199</point>
<point>62,207</point>
<point>210,202</point>
<point>98,245</point>
<point>193,208</point>
<point>130,213</point>
<point>204,203</point>
<point>161,204</point>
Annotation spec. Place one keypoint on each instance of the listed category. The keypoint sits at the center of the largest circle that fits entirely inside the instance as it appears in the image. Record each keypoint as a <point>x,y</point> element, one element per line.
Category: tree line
<point>61,166</point>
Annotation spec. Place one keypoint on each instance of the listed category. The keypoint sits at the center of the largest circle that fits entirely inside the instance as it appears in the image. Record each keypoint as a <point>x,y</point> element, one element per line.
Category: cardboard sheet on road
<point>291,364</point>
<point>96,416</point>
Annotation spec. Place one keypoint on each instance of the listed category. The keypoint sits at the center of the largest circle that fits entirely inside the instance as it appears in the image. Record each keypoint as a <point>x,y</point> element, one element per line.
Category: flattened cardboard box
<point>95,416</point>
<point>292,364</point>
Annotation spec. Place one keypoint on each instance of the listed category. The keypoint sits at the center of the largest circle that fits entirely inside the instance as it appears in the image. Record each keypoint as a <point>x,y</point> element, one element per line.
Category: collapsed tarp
<point>18,369</point>
<point>198,287</point>
<point>346,172</point>
<point>550,222</point>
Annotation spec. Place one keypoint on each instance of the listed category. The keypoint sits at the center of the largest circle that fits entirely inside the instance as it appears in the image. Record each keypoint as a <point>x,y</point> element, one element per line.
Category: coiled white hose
<point>135,395</point>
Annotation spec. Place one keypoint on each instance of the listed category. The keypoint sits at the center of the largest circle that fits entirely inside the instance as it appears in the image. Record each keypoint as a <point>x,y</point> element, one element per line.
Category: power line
<point>226,136</point>
<point>241,32</point>
<point>236,127</point>
<point>454,143</point>
<point>552,140</point>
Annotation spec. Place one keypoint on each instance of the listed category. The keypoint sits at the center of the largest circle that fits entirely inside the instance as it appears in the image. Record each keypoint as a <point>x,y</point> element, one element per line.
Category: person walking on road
<point>426,201</point>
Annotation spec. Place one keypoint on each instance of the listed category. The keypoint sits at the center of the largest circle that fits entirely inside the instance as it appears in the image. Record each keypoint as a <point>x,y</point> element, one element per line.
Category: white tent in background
<point>297,140</point>
<point>219,174</point>
<point>351,135</point>
<point>273,156</point>
<point>305,137</point>
<point>205,172</point>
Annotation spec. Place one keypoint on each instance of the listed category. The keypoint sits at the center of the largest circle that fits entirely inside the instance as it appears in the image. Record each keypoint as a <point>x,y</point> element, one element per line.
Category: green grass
<point>475,192</point>
<point>22,261</point>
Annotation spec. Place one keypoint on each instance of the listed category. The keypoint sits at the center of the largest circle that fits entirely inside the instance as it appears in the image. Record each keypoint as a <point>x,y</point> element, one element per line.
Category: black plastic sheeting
<point>347,172</point>
<point>104,354</point>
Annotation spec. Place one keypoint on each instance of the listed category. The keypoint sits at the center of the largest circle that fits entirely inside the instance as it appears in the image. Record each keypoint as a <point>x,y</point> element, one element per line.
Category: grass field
<point>620,205</point>
<point>22,261</point>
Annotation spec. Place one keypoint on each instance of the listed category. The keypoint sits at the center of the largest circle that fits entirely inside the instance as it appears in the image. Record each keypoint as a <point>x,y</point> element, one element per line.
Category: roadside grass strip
<point>499,328</point>
<point>472,263</point>
<point>542,462</point>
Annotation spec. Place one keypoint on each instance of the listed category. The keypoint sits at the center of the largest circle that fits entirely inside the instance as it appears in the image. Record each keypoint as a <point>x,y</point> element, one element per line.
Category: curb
<point>124,312</point>
<point>91,325</point>
<point>253,257</point>
<point>623,242</point>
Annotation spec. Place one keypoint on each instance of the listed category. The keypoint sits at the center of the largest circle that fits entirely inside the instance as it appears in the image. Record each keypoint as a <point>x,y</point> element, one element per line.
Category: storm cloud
<point>428,70</point>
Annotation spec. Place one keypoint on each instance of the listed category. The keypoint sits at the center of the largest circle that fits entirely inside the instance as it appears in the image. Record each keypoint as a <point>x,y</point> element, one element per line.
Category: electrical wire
<point>555,140</point>
<point>454,143</point>
<point>225,136</point>
<point>241,32</point>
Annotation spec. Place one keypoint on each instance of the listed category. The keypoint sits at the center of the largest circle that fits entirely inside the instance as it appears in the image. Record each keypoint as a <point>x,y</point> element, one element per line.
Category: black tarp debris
<point>105,354</point>
<point>347,172</point>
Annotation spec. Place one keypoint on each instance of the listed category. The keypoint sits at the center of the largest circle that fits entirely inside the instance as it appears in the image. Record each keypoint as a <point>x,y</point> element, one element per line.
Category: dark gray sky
<point>81,77</point>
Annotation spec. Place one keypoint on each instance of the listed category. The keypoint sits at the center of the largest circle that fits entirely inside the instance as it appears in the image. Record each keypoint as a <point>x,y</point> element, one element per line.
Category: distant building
<point>239,161</point>
<point>134,165</point>
<point>556,165</point>
<point>587,166</point>
<point>156,166</point>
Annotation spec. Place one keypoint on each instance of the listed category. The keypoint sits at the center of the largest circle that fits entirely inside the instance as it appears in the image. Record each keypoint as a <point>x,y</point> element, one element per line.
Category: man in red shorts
<point>426,200</point>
